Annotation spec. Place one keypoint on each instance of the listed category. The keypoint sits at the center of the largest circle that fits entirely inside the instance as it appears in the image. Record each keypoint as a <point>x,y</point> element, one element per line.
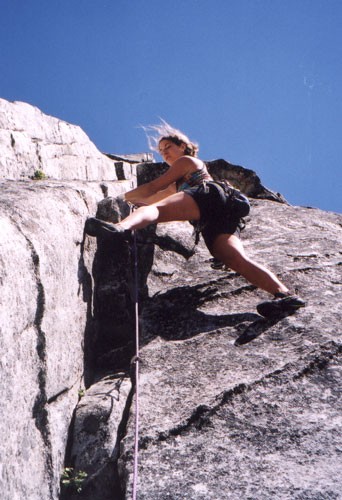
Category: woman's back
<point>194,177</point>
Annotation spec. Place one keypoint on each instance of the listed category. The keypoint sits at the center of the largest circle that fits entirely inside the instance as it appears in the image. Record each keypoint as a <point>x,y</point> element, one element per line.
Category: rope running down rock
<point>136,362</point>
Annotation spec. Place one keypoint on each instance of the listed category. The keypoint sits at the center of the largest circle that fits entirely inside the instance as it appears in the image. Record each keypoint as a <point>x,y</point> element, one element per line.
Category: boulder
<point>99,422</point>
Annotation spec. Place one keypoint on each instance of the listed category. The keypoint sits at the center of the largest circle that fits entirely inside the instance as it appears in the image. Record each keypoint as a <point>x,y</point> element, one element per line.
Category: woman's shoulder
<point>189,162</point>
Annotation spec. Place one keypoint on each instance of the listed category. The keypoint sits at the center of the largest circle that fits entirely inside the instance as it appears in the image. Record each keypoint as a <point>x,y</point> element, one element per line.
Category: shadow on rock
<point>86,289</point>
<point>174,315</point>
<point>259,326</point>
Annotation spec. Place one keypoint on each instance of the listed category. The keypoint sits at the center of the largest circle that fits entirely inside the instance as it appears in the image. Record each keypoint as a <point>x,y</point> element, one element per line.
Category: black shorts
<point>221,207</point>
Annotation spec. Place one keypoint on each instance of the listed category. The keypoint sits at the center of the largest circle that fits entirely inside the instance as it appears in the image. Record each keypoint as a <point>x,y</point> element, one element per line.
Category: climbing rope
<point>136,362</point>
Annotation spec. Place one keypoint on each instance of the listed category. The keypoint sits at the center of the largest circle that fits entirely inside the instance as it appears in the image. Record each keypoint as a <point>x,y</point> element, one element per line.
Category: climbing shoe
<point>216,264</point>
<point>98,227</point>
<point>282,304</point>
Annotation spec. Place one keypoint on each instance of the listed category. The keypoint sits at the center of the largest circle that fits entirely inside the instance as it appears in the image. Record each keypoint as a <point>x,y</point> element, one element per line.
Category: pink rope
<point>136,431</point>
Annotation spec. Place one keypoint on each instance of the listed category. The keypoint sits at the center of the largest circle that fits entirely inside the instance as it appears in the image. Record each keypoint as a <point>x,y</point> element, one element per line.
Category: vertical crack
<point>39,411</point>
<point>36,141</point>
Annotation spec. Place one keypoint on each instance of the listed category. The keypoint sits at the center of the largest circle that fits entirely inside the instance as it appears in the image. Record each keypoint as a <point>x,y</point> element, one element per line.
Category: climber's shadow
<point>175,315</point>
<point>256,328</point>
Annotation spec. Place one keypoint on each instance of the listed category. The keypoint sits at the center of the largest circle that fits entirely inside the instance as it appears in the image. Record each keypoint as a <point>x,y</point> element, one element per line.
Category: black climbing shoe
<point>98,227</point>
<point>282,304</point>
<point>216,264</point>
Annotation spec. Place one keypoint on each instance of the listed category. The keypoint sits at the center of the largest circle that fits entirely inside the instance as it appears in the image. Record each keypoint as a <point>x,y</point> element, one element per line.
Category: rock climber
<point>187,192</point>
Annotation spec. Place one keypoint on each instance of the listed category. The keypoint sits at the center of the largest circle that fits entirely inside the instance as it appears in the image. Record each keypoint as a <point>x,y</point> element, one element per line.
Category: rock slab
<point>232,406</point>
<point>260,419</point>
<point>32,141</point>
<point>46,303</point>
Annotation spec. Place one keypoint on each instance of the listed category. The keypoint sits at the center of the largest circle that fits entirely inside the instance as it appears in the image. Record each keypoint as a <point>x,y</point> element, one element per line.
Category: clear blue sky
<point>257,82</point>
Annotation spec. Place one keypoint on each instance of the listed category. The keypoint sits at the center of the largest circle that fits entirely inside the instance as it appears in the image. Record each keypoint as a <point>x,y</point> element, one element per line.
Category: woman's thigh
<point>177,207</point>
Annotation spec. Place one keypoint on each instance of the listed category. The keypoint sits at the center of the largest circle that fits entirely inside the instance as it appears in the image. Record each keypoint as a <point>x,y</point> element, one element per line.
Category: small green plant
<point>81,393</point>
<point>38,175</point>
<point>72,479</point>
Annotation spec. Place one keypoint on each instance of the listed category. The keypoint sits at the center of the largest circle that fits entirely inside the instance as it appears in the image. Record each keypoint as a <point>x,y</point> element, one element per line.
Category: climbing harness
<point>233,205</point>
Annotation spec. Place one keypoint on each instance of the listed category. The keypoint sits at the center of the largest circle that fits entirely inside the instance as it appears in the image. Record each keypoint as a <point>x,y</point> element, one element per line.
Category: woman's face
<point>170,152</point>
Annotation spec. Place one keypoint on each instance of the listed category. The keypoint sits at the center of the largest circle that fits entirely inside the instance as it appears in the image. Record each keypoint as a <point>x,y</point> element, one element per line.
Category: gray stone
<point>46,307</point>
<point>246,180</point>
<point>259,420</point>
<point>231,405</point>
<point>46,317</point>
<point>31,141</point>
<point>96,437</point>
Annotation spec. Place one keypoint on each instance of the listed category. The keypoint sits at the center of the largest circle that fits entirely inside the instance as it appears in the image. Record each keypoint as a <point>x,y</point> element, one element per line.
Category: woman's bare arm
<point>176,171</point>
<point>160,195</point>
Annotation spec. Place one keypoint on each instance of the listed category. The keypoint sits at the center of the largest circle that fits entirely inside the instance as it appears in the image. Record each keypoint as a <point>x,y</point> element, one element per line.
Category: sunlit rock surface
<point>32,141</point>
<point>46,317</point>
<point>257,420</point>
<point>231,405</point>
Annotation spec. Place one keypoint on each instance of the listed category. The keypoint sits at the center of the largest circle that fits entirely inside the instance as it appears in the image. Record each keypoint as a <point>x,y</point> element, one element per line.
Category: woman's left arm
<point>176,171</point>
<point>160,195</point>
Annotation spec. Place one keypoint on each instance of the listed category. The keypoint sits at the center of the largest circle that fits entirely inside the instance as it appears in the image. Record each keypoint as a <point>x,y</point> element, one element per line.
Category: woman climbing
<point>187,192</point>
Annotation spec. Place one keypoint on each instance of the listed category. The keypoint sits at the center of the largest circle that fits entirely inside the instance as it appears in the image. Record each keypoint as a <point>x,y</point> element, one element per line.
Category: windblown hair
<point>156,133</point>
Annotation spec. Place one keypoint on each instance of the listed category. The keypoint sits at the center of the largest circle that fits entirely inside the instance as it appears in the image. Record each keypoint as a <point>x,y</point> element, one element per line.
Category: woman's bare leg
<point>228,249</point>
<point>177,207</point>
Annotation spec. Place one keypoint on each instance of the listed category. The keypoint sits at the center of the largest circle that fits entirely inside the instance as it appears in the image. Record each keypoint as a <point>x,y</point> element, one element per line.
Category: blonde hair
<point>164,131</point>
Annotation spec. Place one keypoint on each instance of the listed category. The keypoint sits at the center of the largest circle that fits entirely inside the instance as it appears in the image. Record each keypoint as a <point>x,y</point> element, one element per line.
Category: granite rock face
<point>32,141</point>
<point>47,324</point>
<point>47,327</point>
<point>231,405</point>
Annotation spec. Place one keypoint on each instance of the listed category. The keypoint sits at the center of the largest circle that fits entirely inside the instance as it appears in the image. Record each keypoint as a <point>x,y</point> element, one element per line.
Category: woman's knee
<point>230,251</point>
<point>236,261</point>
<point>148,213</point>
